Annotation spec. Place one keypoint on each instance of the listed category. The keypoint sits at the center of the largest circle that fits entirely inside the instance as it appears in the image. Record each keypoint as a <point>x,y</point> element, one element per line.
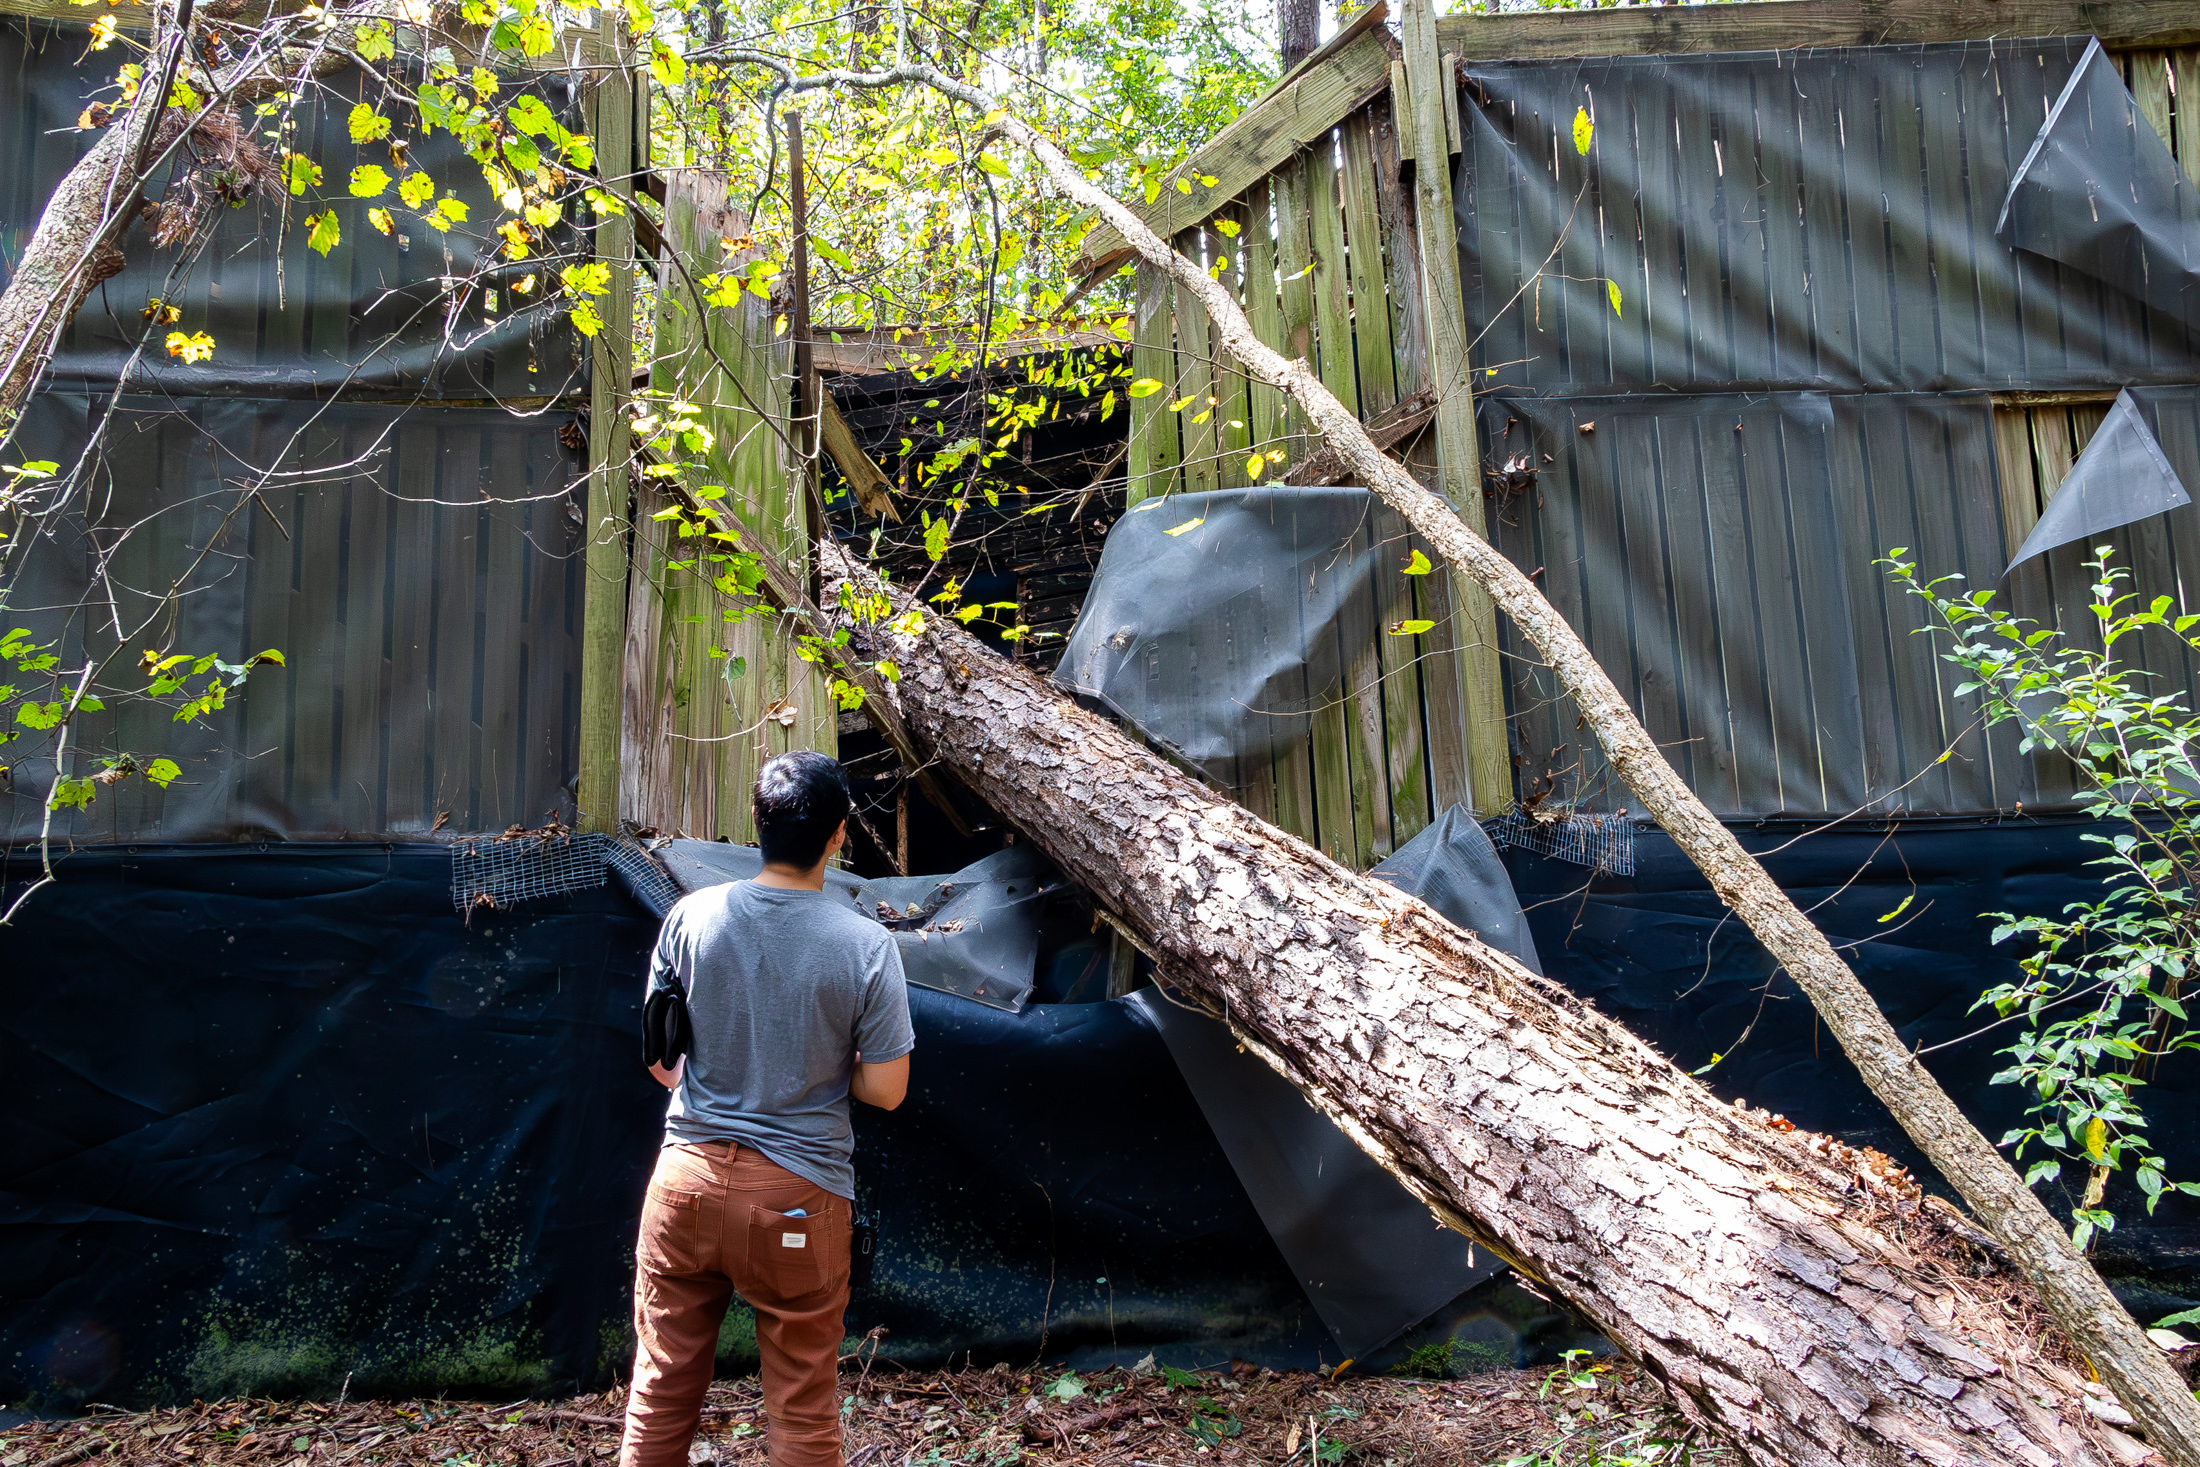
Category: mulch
<point>987,1418</point>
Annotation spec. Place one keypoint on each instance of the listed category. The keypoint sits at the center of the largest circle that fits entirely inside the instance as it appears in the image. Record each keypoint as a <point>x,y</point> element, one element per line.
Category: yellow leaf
<point>1191,524</point>
<point>1419,565</point>
<point>1611,289</point>
<point>2096,1138</point>
<point>1254,465</point>
<point>1411,628</point>
<point>1584,130</point>
<point>380,219</point>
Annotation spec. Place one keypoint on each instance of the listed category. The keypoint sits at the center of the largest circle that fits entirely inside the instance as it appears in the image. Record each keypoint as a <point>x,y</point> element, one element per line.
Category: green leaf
<point>1904,906</point>
<point>1066,1387</point>
<point>668,66</point>
<point>301,173</point>
<point>987,163</point>
<point>323,231</point>
<point>416,190</point>
<point>1143,387</point>
<point>162,772</point>
<point>368,125</point>
<point>374,41</point>
<point>1412,628</point>
<point>368,181</point>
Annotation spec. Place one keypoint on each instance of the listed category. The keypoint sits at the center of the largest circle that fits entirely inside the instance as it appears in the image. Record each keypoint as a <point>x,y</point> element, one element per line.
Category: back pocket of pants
<point>671,1236</point>
<point>787,1253</point>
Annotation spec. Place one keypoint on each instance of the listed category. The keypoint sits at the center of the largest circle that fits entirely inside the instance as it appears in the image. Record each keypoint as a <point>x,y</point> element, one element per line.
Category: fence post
<point>1458,452</point>
<point>613,103</point>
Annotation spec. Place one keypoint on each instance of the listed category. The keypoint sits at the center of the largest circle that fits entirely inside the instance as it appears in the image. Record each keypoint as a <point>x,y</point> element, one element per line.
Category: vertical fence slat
<point>1233,404</point>
<point>1378,376</point>
<point>1295,286</point>
<point>1195,358</point>
<point>2184,69</point>
<point>1267,419</point>
<point>1153,433</point>
<point>1332,274</point>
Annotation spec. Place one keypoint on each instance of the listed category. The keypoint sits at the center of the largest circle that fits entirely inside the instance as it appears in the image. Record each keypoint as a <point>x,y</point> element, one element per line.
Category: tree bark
<point>1795,1300</point>
<point>1298,30</point>
<point>2097,1324</point>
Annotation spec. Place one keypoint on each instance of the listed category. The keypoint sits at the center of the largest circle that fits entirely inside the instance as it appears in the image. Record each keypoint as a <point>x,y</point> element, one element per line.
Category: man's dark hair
<point>801,799</point>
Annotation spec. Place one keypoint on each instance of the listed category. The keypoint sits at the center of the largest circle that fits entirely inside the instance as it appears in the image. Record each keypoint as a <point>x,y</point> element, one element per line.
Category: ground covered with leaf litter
<point>995,1417</point>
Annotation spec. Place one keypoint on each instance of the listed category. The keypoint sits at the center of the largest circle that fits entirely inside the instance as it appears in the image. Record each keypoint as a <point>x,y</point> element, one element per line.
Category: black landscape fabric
<point>274,1116</point>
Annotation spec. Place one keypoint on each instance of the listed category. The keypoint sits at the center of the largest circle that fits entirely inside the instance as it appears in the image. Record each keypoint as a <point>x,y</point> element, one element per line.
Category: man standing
<point>795,1003</point>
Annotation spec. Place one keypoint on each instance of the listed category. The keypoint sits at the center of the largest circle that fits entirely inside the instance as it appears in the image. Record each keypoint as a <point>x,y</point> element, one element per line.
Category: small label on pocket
<point>794,1240</point>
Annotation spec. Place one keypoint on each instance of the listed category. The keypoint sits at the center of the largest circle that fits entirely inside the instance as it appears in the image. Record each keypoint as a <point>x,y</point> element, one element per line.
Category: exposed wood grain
<point>1262,137</point>
<point>1786,24</point>
<point>1295,288</point>
<point>1268,408</point>
<point>2147,73</point>
<point>865,478</point>
<point>2184,70</point>
<point>1233,403</point>
<point>1332,277</point>
<point>617,95</point>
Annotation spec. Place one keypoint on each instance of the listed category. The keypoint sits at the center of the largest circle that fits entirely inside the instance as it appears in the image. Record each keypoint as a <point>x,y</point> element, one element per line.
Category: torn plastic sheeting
<point>2099,192</point>
<point>1453,866</point>
<point>2122,477</point>
<point>1220,622</point>
<point>976,933</point>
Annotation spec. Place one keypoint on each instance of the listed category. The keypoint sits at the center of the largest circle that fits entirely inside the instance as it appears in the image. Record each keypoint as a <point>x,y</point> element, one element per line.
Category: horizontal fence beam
<point>1315,98</point>
<point>1785,24</point>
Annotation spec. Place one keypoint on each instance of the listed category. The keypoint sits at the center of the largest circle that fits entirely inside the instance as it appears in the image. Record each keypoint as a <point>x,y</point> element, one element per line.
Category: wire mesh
<point>1606,842</point>
<point>506,871</point>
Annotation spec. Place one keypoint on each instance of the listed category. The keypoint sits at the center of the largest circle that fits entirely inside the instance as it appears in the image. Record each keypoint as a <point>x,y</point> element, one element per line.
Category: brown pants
<point>716,1222</point>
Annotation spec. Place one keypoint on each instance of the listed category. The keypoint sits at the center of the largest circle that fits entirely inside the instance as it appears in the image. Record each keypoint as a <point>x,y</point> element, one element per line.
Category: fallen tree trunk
<point>1793,1299</point>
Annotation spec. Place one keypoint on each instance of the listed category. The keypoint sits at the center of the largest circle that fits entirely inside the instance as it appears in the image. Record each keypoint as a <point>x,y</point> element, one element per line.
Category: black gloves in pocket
<point>665,1028</point>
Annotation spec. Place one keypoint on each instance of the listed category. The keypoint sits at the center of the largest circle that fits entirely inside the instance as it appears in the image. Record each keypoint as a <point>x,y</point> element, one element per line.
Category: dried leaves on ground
<point>995,1417</point>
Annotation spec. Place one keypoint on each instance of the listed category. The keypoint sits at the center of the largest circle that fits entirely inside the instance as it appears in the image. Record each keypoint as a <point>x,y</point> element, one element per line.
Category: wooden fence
<point>1310,205</point>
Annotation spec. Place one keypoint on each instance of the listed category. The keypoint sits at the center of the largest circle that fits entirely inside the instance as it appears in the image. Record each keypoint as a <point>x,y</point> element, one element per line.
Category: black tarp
<point>2122,477</point>
<point>2099,192</point>
<point>1779,220</point>
<point>271,1116</point>
<point>419,571</point>
<point>378,316</point>
<point>1221,622</point>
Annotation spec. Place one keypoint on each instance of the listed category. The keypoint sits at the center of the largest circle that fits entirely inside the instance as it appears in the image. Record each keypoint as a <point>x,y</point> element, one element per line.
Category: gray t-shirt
<point>783,988</point>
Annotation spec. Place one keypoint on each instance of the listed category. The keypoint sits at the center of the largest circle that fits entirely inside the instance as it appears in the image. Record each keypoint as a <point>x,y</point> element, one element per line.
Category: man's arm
<point>884,1085</point>
<point>667,1078</point>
